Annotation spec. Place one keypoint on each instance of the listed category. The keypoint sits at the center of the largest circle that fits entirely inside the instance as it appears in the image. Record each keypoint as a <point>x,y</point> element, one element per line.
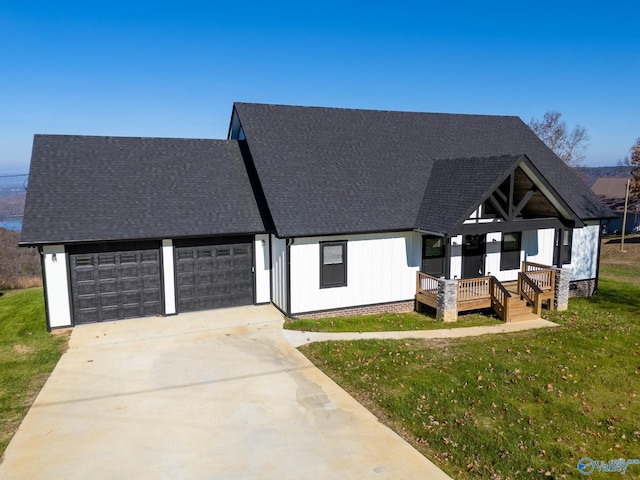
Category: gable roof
<point>441,208</point>
<point>330,171</point>
<point>84,188</point>
<point>610,187</point>
<point>612,191</point>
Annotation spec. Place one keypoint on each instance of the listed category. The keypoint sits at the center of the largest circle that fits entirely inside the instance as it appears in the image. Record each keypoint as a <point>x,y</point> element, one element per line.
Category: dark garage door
<point>214,273</point>
<point>113,282</point>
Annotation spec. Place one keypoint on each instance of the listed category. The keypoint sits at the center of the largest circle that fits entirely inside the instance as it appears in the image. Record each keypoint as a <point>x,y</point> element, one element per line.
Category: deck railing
<point>536,284</point>
<point>427,289</point>
<point>500,299</point>
<point>543,276</point>
<point>473,288</point>
<point>531,292</point>
<point>474,293</point>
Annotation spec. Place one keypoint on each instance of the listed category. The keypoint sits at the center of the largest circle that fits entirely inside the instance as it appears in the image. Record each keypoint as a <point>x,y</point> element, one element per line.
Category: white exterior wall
<point>538,246</point>
<point>279,272</point>
<point>584,252</point>
<point>263,264</point>
<point>455,269</point>
<point>380,268</point>
<point>168,277</point>
<point>492,257</point>
<point>58,289</point>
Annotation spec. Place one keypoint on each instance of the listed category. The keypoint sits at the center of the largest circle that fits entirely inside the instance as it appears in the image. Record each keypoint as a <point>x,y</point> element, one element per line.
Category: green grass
<point>28,354</point>
<point>387,322</point>
<point>524,405</point>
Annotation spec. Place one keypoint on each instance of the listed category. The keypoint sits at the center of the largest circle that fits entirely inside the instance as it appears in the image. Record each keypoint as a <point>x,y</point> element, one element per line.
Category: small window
<point>84,261</point>
<point>510,251</point>
<point>433,255</point>
<point>150,256</point>
<point>223,252</point>
<point>183,254</point>
<point>240,251</point>
<point>333,264</point>
<point>128,258</point>
<point>565,248</point>
<point>106,259</point>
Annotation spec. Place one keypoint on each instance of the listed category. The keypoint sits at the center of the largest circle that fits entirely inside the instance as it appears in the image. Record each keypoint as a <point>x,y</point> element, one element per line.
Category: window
<point>565,248</point>
<point>510,251</point>
<point>433,255</point>
<point>333,264</point>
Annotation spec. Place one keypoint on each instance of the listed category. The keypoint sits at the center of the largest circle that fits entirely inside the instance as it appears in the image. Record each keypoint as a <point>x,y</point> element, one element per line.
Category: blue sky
<point>161,68</point>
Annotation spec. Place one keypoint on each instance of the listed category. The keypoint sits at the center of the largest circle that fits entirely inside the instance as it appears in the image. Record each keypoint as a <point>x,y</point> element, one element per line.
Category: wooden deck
<point>513,301</point>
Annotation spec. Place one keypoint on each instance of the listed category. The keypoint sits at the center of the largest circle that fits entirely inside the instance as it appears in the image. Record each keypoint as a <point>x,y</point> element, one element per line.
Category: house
<point>319,211</point>
<point>612,191</point>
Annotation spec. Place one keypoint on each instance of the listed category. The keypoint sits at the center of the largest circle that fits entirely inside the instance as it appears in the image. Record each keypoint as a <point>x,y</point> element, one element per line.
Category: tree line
<point>570,144</point>
<point>19,267</point>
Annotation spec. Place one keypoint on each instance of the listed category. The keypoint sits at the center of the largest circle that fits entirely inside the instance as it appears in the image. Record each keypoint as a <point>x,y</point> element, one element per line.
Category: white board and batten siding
<point>57,291</point>
<point>262,269</point>
<point>492,262</point>
<point>538,245</point>
<point>381,268</point>
<point>279,272</point>
<point>584,252</point>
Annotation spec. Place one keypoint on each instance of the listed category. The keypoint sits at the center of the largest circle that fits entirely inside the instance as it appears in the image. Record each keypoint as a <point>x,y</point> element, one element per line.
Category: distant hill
<point>591,174</point>
<point>12,205</point>
<point>12,198</point>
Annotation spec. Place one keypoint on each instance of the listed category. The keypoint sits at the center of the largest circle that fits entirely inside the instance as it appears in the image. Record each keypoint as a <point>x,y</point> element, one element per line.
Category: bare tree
<point>569,145</point>
<point>624,162</point>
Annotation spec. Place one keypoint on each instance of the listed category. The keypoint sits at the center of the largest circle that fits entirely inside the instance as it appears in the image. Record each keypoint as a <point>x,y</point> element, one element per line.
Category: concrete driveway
<point>207,395</point>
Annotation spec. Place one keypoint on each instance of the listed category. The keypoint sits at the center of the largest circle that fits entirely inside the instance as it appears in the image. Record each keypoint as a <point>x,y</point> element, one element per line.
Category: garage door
<point>214,273</point>
<point>113,282</point>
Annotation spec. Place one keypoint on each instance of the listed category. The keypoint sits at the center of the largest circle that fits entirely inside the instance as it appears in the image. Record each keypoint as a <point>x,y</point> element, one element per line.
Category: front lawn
<point>522,405</point>
<point>28,354</point>
<point>386,322</point>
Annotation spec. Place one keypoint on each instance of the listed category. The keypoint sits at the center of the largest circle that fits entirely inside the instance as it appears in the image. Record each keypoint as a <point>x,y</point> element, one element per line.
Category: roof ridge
<point>129,137</point>
<point>380,110</point>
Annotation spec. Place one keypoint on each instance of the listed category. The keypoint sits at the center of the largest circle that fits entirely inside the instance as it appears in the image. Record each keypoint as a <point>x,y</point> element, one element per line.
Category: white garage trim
<point>57,286</point>
<point>262,268</point>
<point>169,282</point>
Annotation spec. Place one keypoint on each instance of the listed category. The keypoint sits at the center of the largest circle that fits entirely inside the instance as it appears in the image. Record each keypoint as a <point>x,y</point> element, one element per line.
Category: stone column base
<point>447,310</point>
<point>561,298</point>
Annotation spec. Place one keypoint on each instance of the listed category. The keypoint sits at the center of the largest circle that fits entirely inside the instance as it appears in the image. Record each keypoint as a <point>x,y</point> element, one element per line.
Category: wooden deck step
<point>520,311</point>
<point>523,317</point>
<point>512,287</point>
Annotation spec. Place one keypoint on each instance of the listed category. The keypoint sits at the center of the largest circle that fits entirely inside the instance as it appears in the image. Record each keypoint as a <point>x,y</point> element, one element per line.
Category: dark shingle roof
<point>441,207</point>
<point>332,171</point>
<point>84,188</point>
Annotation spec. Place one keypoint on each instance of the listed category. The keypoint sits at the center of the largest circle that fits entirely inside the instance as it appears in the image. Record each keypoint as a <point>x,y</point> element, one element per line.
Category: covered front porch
<point>512,301</point>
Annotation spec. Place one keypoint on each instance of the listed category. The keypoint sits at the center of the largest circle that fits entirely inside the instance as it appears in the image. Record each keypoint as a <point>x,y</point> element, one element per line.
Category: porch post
<point>447,257</point>
<point>561,294</point>
<point>559,250</point>
<point>447,310</point>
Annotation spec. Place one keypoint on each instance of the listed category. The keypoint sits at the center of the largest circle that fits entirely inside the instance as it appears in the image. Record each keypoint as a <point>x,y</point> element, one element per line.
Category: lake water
<point>12,224</point>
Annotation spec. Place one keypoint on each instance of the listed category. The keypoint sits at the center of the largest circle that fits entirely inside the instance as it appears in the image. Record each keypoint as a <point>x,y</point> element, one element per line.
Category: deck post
<point>561,294</point>
<point>447,310</point>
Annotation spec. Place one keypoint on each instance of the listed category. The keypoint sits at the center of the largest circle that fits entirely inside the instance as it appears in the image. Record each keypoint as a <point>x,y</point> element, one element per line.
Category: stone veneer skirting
<point>394,307</point>
<point>582,288</point>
